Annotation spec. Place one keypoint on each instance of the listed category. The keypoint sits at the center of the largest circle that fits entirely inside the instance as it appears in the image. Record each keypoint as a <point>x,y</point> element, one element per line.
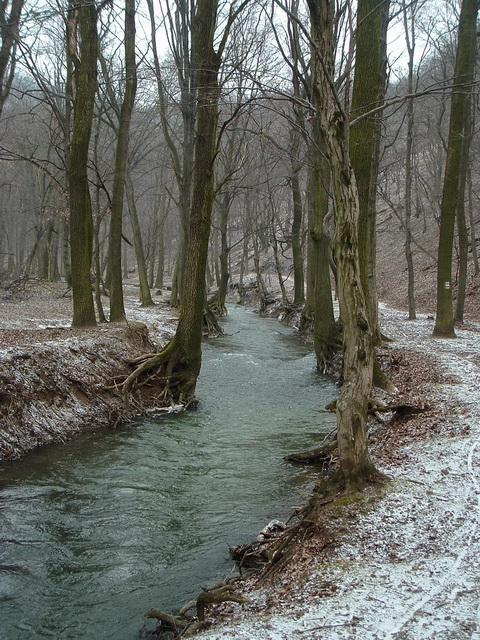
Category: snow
<point>406,566</point>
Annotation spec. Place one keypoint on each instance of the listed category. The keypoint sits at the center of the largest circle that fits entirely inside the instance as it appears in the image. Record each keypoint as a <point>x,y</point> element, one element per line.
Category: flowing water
<point>96,532</point>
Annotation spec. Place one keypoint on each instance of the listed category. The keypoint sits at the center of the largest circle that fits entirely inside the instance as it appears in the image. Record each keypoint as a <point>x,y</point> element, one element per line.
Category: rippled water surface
<point>96,532</point>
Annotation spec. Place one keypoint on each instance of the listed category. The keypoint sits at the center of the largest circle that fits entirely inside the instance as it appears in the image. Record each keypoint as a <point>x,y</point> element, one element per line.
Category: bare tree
<point>458,142</point>
<point>83,50</point>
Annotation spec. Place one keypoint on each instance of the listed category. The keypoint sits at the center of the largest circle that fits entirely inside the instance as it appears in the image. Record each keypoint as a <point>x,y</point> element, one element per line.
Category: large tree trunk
<point>182,155</point>
<point>457,147</point>
<point>179,363</point>
<point>355,464</point>
<point>81,223</point>
<point>367,94</point>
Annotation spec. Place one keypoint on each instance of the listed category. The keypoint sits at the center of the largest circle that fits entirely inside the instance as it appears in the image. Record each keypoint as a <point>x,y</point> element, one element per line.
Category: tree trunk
<point>117,308</point>
<point>145,295</point>
<point>355,464</point>
<point>368,92</point>
<point>9,29</point>
<point>297,253</point>
<point>180,361</point>
<point>452,190</point>
<point>81,223</point>
<point>461,219</point>
<point>410,40</point>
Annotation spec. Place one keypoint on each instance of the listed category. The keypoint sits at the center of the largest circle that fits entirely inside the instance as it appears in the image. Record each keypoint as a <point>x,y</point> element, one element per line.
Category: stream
<point>95,532</point>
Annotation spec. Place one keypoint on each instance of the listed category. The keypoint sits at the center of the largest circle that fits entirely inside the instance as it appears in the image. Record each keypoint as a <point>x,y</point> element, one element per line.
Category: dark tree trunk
<point>457,148</point>
<point>117,309</point>
<point>81,223</point>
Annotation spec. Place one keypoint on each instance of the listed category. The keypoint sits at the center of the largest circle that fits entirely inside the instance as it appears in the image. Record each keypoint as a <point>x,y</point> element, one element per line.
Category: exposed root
<point>211,327</point>
<point>184,626</point>
<point>217,307</point>
<point>325,454</point>
<point>165,377</point>
<point>272,551</point>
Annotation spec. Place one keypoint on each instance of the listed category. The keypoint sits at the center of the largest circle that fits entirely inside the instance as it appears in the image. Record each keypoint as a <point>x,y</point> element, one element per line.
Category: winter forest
<point>200,145</point>
<point>316,157</point>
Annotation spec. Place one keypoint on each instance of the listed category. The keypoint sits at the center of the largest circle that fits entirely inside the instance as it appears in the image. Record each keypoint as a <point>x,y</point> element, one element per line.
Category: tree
<point>117,309</point>
<point>82,23</point>
<point>367,94</point>
<point>453,191</point>
<point>179,21</point>
<point>178,364</point>
<point>9,30</point>
<point>355,464</point>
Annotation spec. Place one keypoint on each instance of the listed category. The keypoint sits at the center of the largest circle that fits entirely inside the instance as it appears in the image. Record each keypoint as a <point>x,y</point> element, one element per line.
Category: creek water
<point>96,532</point>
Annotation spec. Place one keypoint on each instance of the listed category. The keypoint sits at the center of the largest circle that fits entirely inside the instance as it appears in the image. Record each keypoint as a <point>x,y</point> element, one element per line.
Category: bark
<point>182,159</point>
<point>9,31</point>
<point>145,295</point>
<point>473,240</point>
<point>81,223</point>
<point>355,464</point>
<point>452,190</point>
<point>410,39</point>
<point>368,92</point>
<point>117,308</point>
<point>297,253</point>
<point>461,218</point>
<point>178,365</point>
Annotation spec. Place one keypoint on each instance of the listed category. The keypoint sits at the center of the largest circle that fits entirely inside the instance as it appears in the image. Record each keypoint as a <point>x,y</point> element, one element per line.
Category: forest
<point>188,141</point>
<point>204,148</point>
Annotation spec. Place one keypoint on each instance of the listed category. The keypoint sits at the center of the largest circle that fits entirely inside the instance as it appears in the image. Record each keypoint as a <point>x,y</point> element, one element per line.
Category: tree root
<point>325,454</point>
<point>184,626</point>
<point>267,554</point>
<point>211,327</point>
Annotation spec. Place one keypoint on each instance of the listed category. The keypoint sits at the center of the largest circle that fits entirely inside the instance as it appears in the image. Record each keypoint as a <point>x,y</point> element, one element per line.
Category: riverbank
<point>404,560</point>
<point>57,381</point>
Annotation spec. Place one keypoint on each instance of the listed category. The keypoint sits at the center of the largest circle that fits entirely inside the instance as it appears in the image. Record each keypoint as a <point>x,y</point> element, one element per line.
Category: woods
<point>311,159</point>
<point>206,144</point>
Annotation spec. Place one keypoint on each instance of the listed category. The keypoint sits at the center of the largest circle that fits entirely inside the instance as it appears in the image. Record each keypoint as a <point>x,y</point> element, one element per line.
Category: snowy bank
<point>406,561</point>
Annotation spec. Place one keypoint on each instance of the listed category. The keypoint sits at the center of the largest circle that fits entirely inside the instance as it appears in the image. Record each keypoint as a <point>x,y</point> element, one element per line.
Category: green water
<point>96,532</point>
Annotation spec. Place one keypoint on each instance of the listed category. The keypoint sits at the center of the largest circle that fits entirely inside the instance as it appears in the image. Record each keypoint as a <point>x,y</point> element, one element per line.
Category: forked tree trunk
<point>355,464</point>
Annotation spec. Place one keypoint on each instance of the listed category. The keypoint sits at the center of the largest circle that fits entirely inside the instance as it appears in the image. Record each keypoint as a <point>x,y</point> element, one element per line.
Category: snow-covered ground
<point>406,566</point>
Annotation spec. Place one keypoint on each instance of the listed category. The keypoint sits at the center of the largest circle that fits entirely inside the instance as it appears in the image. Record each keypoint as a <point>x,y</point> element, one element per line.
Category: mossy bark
<point>84,53</point>
<point>355,464</point>
<point>178,365</point>
<point>457,147</point>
